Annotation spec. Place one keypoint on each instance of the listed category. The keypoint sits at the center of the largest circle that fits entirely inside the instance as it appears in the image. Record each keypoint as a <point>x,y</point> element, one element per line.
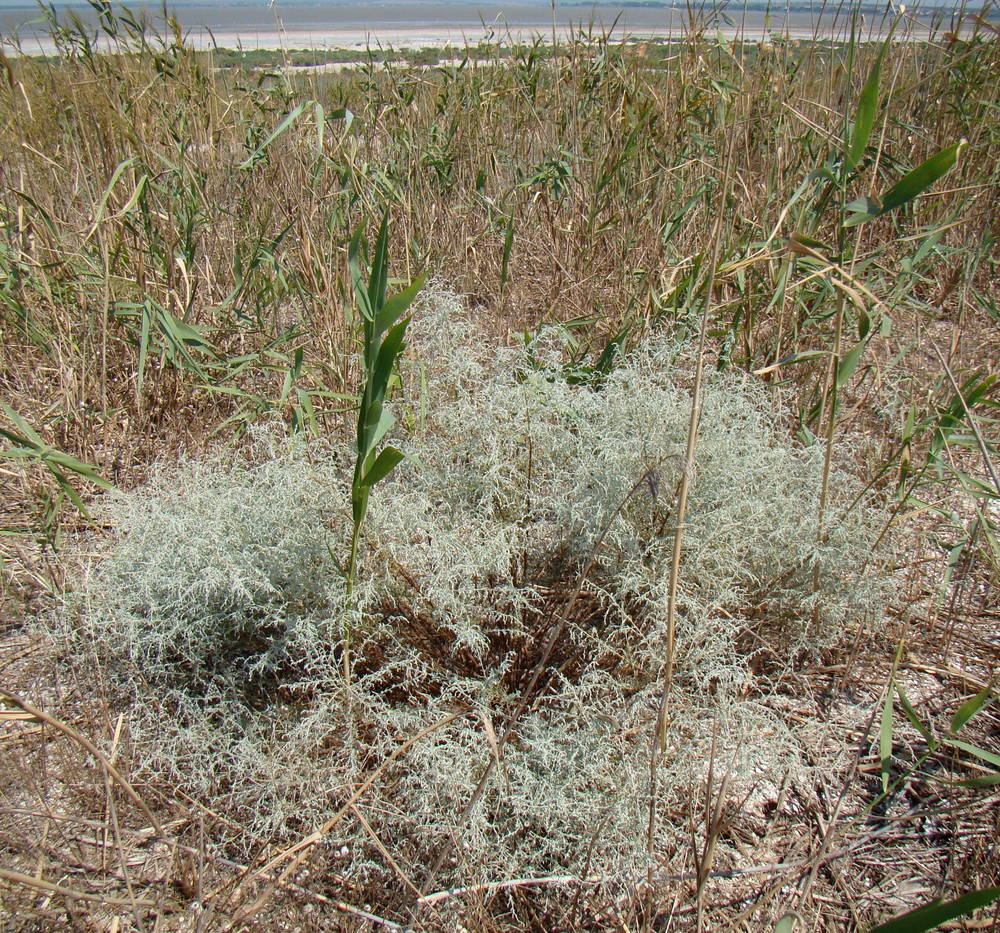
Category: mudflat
<point>438,24</point>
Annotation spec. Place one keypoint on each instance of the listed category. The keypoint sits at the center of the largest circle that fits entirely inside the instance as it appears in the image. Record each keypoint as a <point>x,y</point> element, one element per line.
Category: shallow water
<point>415,23</point>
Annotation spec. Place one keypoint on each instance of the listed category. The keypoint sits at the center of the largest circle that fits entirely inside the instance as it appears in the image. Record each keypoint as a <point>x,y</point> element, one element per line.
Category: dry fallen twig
<point>70,732</point>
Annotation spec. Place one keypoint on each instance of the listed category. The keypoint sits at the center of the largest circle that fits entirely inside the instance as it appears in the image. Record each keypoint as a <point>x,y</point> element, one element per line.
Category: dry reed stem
<point>297,853</point>
<point>49,887</point>
<point>984,448</point>
<point>92,749</point>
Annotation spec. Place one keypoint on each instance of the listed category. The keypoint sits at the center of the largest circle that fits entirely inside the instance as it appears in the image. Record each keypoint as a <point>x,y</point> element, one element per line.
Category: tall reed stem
<point>659,741</point>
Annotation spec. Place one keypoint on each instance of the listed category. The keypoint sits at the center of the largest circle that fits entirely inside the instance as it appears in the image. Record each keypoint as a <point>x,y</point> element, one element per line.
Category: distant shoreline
<point>442,24</point>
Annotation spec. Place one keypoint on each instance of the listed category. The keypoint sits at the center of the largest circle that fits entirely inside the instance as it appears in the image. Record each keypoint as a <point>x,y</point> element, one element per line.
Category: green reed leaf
<point>289,119</point>
<point>864,118</point>
<point>921,178</point>
<point>969,709</point>
<point>936,913</point>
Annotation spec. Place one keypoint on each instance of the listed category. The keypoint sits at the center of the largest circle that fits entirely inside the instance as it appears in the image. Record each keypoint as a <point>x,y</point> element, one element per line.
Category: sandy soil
<point>458,24</point>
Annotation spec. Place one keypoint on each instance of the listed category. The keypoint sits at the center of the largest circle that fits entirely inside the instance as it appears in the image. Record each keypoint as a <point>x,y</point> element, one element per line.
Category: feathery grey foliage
<point>219,604</point>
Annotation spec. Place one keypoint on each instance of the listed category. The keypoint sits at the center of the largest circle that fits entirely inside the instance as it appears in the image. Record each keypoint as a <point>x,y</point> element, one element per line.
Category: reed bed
<point>678,608</point>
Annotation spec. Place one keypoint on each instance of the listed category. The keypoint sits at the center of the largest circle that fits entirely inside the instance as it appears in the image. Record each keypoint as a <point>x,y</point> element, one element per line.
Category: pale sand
<point>458,25</point>
<point>438,36</point>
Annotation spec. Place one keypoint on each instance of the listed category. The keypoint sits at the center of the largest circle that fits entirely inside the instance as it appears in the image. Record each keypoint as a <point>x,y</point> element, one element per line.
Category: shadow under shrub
<point>219,602</point>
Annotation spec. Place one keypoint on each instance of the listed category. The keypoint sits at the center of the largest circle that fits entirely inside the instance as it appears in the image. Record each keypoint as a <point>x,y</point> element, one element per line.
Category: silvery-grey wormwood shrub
<point>216,606</point>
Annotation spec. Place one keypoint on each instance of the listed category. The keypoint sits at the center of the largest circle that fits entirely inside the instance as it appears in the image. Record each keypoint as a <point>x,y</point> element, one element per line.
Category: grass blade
<point>849,362</point>
<point>969,709</point>
<point>379,280</point>
<point>289,119</point>
<point>384,464</point>
<point>981,753</point>
<point>936,913</point>
<point>911,714</point>
<point>395,306</point>
<point>921,178</point>
<point>885,738</point>
<point>864,119</point>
